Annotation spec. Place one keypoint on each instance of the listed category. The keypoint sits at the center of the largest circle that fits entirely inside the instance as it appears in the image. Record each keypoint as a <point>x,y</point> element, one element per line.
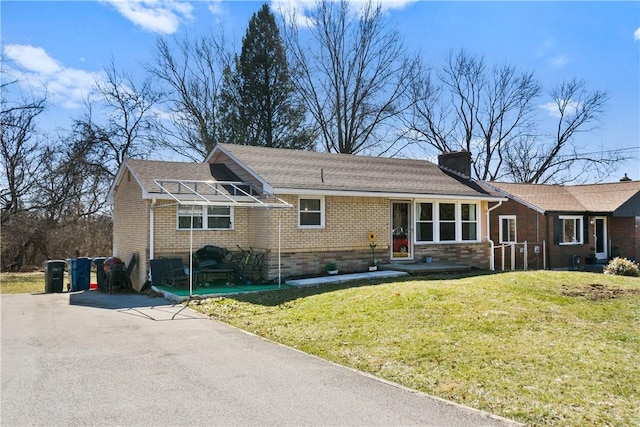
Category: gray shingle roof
<point>574,198</point>
<point>303,170</point>
<point>145,171</point>
<point>295,169</point>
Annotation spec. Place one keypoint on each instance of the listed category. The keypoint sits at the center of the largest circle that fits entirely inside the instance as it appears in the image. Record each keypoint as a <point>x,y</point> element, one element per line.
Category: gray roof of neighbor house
<point>617,198</point>
<point>297,170</point>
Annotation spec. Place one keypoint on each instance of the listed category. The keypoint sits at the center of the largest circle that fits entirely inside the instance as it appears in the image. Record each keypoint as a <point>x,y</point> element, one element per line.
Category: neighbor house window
<point>570,230</point>
<point>446,221</point>
<point>311,212</point>
<point>508,229</point>
<point>205,217</point>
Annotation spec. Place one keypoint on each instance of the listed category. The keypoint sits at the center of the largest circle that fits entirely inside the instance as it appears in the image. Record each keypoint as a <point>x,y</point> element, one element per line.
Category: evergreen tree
<point>259,102</point>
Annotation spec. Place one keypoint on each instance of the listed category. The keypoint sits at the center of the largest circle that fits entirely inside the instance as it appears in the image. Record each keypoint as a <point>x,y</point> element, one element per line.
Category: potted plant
<point>331,268</point>
<point>372,244</point>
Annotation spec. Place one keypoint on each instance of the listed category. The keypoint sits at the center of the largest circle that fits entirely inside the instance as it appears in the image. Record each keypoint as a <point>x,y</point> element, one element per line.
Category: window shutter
<point>556,230</point>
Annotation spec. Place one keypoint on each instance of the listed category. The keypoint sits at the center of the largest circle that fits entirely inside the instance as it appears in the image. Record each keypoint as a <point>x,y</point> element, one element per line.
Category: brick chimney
<point>457,161</point>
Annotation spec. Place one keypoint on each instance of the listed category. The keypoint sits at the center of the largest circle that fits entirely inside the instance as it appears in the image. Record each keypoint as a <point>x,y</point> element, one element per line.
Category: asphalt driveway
<point>88,358</point>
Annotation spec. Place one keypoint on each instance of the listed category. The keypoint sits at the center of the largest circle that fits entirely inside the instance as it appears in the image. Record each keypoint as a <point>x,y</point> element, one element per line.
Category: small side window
<point>311,212</point>
<point>508,229</point>
<point>186,214</point>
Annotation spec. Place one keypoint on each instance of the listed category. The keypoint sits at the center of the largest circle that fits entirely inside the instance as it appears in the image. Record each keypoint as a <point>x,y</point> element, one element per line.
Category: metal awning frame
<point>211,193</point>
<point>218,193</point>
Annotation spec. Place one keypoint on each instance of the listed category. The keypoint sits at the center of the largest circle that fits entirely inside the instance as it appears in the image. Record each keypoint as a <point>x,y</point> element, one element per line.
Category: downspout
<point>492,260</point>
<point>151,227</point>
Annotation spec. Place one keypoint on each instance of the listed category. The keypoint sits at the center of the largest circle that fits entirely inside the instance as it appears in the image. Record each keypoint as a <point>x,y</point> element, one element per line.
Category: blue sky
<point>64,46</point>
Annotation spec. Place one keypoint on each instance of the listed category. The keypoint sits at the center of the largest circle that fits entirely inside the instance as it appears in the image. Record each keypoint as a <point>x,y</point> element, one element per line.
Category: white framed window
<point>205,217</point>
<point>311,212</point>
<point>469,221</point>
<point>446,221</point>
<point>424,222</point>
<point>570,230</point>
<point>507,228</point>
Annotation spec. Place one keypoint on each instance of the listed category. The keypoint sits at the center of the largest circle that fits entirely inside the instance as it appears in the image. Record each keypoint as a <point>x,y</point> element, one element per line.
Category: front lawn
<point>22,283</point>
<point>543,348</point>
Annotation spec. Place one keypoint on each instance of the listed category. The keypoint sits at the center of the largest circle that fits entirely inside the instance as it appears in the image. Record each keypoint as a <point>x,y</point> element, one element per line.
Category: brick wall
<point>348,221</point>
<point>131,227</point>
<point>623,233</point>
<point>344,239</point>
<point>472,254</point>
<point>531,227</point>
<point>168,239</point>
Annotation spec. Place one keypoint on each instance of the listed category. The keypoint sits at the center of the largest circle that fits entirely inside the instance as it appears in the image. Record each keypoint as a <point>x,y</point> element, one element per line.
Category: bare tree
<point>561,160</point>
<point>192,70</point>
<point>19,147</point>
<point>495,115</point>
<point>52,194</point>
<point>129,130</point>
<point>353,76</point>
<point>469,107</point>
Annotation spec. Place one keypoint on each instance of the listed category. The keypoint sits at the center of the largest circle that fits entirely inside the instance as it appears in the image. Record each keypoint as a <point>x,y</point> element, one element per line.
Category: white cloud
<point>215,7</point>
<point>558,61</point>
<point>158,16</point>
<point>636,34</point>
<point>32,58</point>
<point>36,70</point>
<point>552,108</point>
<point>297,9</point>
<point>550,52</point>
<point>300,8</point>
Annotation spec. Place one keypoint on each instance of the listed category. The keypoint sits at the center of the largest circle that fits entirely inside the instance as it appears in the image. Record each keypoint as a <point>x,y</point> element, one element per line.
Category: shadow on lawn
<point>281,296</point>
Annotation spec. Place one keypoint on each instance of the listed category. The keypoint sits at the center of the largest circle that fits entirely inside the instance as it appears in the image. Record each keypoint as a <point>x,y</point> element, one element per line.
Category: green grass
<point>543,348</point>
<point>21,283</point>
<point>30,283</point>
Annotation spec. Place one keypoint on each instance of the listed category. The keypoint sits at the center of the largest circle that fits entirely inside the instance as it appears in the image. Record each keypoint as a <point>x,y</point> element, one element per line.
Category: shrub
<point>622,267</point>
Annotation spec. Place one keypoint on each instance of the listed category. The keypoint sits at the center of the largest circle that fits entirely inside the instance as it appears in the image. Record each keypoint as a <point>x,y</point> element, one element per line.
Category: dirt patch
<point>597,292</point>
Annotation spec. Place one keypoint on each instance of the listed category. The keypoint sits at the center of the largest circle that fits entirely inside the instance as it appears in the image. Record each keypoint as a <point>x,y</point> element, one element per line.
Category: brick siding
<point>131,227</point>
<point>344,238</point>
<point>623,234</point>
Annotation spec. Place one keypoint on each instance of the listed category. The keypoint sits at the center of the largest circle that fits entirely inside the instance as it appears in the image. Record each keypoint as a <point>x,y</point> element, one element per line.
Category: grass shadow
<point>282,296</point>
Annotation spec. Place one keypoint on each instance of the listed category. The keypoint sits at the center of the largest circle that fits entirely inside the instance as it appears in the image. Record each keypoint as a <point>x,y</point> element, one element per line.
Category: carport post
<point>191,254</point>
<point>279,237</point>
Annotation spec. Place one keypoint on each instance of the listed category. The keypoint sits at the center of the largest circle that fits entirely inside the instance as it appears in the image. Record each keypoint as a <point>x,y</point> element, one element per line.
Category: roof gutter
<point>386,194</point>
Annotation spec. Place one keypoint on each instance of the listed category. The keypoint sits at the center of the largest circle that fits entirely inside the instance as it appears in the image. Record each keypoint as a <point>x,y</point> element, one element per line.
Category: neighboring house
<point>572,225</point>
<point>301,209</point>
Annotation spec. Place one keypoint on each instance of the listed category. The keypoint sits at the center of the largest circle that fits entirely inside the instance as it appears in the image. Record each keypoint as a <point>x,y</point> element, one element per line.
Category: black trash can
<point>80,272</point>
<point>101,275</point>
<point>53,275</point>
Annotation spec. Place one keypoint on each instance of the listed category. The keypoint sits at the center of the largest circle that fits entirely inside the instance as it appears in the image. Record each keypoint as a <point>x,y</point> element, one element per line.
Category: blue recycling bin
<point>80,272</point>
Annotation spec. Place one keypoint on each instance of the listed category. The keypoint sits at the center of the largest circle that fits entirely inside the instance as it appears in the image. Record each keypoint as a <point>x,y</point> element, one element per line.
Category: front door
<point>401,247</point>
<point>600,237</point>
